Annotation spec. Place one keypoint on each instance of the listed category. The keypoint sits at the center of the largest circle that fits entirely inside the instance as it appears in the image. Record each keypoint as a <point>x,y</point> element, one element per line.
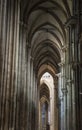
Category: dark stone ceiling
<point>46,32</point>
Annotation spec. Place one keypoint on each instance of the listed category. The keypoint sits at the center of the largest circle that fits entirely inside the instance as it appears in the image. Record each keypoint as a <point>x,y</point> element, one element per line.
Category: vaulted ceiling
<point>46,33</point>
<point>44,92</point>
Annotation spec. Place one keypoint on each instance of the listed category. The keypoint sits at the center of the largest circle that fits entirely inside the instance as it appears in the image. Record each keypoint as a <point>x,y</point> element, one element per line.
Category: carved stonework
<point>61,64</point>
<point>72,21</point>
<point>69,81</point>
<point>74,65</point>
<point>64,91</point>
<point>65,48</point>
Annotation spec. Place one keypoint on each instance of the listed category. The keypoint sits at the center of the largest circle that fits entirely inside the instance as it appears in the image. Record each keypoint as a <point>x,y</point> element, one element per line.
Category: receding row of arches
<point>46,100</point>
<point>40,65</point>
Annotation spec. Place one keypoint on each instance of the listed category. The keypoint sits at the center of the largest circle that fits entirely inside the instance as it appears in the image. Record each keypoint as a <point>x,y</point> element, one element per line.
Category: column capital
<point>62,63</point>
<point>69,81</point>
<point>64,91</point>
<point>64,48</point>
<point>71,21</point>
<point>61,98</point>
<point>58,75</point>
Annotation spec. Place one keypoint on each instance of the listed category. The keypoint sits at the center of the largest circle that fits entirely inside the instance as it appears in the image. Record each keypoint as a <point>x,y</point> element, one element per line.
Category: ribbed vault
<point>46,33</point>
<point>40,64</point>
<point>44,92</point>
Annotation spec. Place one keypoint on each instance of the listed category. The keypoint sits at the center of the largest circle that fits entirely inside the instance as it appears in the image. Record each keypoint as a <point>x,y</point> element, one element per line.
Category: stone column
<point>72,88</point>
<point>59,100</point>
<point>36,101</point>
<point>62,65</point>
<point>78,71</point>
<point>65,90</point>
<point>52,124</point>
<point>56,102</point>
<point>3,38</point>
<point>37,96</point>
<point>78,68</point>
<point>32,95</point>
<point>28,84</point>
<point>80,63</point>
<point>9,39</point>
<point>32,102</point>
<point>22,79</point>
<point>72,59</point>
<point>64,74</point>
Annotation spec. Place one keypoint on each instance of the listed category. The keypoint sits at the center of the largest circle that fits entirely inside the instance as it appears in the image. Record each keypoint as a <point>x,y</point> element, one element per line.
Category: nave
<point>40,65</point>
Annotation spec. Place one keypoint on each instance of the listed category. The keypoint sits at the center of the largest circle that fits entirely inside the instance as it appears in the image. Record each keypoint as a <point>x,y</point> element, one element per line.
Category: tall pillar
<point>36,101</point>
<point>28,84</point>
<point>62,65</point>
<point>32,102</point>
<point>37,96</point>
<point>52,104</point>
<point>78,71</point>
<point>71,25</point>
<point>9,39</point>
<point>56,102</point>
<point>32,94</point>
<point>64,89</point>
<point>64,92</point>
<point>59,100</point>
<point>22,79</point>
<point>3,37</point>
<point>80,63</point>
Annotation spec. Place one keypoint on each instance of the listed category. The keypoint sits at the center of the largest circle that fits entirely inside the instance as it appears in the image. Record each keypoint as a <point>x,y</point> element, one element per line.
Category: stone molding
<point>64,48</point>
<point>64,91</point>
<point>62,63</point>
<point>71,21</point>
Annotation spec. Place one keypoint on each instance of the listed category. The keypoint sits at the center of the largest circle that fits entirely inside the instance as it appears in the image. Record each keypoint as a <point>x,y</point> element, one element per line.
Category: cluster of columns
<point>78,71</point>
<point>66,95</point>
<point>18,84</point>
<point>70,78</point>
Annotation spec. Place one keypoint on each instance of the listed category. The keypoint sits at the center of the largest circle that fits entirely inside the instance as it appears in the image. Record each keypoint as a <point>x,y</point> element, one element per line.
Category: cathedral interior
<point>40,64</point>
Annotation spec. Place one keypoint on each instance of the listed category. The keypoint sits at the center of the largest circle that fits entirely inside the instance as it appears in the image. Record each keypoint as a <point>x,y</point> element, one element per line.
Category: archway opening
<point>48,111</point>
